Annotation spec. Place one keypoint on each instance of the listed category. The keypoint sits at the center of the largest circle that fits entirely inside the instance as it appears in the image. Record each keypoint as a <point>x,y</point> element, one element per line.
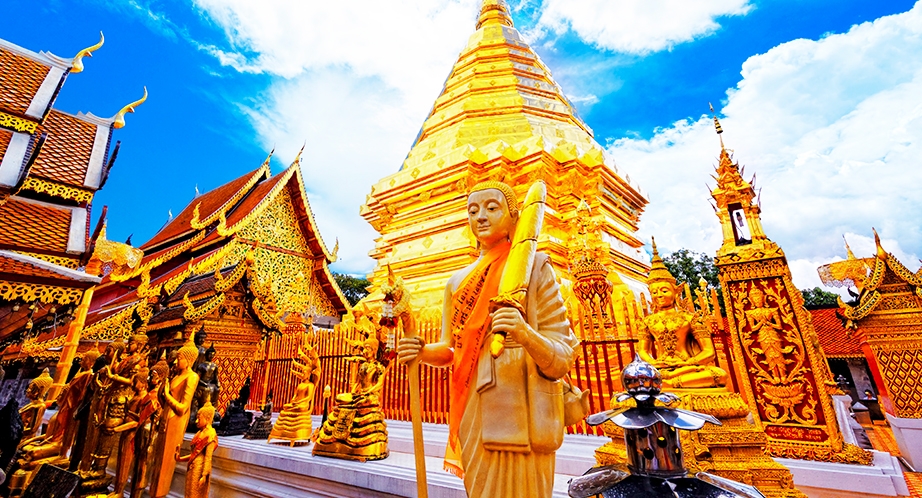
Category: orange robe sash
<point>470,325</point>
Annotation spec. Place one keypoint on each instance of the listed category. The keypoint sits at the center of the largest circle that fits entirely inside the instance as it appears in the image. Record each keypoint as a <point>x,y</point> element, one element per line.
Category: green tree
<point>819,298</point>
<point>689,266</point>
<point>354,288</point>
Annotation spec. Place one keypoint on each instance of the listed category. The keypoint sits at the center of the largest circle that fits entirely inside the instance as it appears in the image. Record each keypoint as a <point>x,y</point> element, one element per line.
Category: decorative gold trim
<point>192,313</point>
<point>10,291</point>
<point>118,121</point>
<point>17,124</point>
<point>57,189</point>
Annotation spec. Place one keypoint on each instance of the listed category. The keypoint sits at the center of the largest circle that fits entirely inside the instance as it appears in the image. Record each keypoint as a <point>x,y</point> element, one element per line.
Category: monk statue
<point>356,430</point>
<point>237,419</point>
<point>208,386</point>
<point>174,417</point>
<point>31,416</point>
<point>684,353</point>
<point>506,419</point>
<point>139,410</point>
<point>198,472</point>
<point>59,437</point>
<point>84,409</point>
<point>293,425</point>
<point>199,339</point>
<point>117,380</point>
<point>262,425</point>
<point>33,412</point>
<point>145,436</point>
<point>102,384</point>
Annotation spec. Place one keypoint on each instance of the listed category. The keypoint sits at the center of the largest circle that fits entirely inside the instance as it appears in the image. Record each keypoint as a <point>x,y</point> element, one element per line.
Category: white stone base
<point>243,468</point>
<point>838,480</point>
<point>908,435</point>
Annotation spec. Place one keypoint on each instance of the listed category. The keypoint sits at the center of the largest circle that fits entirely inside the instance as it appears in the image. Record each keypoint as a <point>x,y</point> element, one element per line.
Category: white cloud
<point>833,128</point>
<point>355,79</point>
<point>636,26</point>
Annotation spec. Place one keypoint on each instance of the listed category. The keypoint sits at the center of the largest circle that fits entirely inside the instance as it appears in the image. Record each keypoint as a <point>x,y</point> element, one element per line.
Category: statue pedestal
<point>908,435</point>
<point>246,468</point>
<point>735,449</point>
<point>841,480</point>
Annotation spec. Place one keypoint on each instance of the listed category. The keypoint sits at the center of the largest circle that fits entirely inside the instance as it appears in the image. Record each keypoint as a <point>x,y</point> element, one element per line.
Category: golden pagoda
<point>500,116</point>
<point>783,373</point>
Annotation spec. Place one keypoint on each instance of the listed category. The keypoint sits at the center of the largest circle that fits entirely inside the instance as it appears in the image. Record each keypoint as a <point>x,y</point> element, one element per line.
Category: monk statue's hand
<point>408,348</point>
<point>510,322</point>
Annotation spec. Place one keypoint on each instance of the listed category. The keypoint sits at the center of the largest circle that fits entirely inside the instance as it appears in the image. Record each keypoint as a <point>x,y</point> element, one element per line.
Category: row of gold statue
<point>118,405</point>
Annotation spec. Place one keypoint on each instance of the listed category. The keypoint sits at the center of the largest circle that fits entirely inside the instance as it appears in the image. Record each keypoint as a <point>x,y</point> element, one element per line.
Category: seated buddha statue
<point>676,341</point>
<point>355,429</point>
<point>294,424</point>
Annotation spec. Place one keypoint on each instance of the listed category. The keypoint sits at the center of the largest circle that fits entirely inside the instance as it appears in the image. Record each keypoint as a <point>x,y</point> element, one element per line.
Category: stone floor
<point>882,439</point>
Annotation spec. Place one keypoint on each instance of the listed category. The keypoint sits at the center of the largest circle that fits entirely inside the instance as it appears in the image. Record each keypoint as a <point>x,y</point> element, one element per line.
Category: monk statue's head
<point>661,283</point>
<point>492,212</point>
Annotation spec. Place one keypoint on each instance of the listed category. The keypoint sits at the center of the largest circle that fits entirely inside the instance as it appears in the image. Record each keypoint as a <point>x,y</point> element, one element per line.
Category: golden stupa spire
<point>494,12</point>
<point>717,126</point>
<point>76,65</point>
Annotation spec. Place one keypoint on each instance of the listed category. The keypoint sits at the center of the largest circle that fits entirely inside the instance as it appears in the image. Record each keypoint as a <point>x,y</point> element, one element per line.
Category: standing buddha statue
<point>208,386</point>
<point>198,472</point>
<point>145,437</point>
<point>174,417</point>
<point>139,410</point>
<point>676,341</point>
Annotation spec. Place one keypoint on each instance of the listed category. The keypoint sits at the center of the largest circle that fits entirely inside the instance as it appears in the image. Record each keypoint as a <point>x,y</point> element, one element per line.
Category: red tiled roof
<point>835,340</point>
<point>209,203</point>
<point>27,225</point>
<point>66,153</point>
<point>20,79</point>
<point>16,267</point>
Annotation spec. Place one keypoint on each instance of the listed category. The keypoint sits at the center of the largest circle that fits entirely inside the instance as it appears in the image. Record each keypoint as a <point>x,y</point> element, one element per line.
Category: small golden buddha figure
<point>355,430</point>
<point>684,352</point>
<point>198,472</point>
<point>174,417</point>
<point>293,425</point>
<point>140,408</point>
<point>33,412</point>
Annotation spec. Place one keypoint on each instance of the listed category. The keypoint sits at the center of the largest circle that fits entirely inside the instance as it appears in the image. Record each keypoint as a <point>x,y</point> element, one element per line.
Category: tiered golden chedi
<point>501,116</point>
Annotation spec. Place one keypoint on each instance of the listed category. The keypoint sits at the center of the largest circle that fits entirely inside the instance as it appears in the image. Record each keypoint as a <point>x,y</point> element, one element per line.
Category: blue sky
<point>230,79</point>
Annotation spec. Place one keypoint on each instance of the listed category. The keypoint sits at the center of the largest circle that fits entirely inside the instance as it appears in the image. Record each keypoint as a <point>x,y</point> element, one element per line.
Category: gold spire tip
<point>118,121</point>
<point>76,65</point>
<point>494,12</point>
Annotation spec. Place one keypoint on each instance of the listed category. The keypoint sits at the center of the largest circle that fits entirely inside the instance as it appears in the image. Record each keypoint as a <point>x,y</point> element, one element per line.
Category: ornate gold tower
<point>500,116</point>
<point>782,370</point>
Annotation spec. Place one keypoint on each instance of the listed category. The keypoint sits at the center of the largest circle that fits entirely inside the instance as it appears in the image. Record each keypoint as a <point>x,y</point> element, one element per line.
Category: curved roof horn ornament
<point>654,453</point>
